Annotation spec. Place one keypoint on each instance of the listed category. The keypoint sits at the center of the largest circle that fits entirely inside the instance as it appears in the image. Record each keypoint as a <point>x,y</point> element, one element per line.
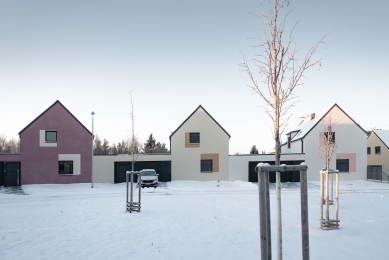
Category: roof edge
<point>380,139</point>
<point>200,106</point>
<point>56,102</point>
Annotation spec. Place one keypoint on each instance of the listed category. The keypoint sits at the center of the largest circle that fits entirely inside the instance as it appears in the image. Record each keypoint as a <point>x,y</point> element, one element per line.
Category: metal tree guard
<point>131,205</point>
<point>327,223</point>
<point>263,170</point>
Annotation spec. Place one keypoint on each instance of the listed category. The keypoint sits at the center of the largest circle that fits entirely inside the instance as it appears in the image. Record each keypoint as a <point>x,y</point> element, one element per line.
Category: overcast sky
<point>175,55</point>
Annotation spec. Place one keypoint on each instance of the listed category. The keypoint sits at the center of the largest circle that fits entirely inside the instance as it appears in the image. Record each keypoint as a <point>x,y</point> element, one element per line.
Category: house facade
<point>54,148</point>
<point>378,154</point>
<point>199,150</point>
<point>349,137</point>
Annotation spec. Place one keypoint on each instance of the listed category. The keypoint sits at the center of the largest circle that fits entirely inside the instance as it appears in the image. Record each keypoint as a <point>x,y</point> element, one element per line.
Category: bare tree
<point>97,146</point>
<point>327,145</point>
<point>105,148</point>
<point>280,72</point>
<point>134,145</point>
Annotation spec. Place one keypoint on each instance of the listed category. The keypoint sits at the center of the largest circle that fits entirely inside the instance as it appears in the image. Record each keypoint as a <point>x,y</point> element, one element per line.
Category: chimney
<point>312,116</point>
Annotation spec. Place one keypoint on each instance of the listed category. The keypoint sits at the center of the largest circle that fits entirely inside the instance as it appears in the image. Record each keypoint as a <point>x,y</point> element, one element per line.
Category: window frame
<point>204,161</point>
<point>343,161</point>
<point>379,150</point>
<point>51,131</point>
<point>195,137</point>
<point>369,150</point>
<point>71,167</point>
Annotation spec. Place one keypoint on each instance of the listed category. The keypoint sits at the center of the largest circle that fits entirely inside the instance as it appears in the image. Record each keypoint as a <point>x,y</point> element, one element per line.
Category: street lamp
<point>93,137</point>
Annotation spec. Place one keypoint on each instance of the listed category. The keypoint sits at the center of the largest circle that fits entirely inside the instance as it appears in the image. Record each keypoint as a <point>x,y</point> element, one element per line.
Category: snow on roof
<point>383,135</point>
<point>307,124</point>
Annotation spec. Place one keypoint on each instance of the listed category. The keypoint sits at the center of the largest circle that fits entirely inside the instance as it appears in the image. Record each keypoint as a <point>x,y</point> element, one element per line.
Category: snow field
<point>185,220</point>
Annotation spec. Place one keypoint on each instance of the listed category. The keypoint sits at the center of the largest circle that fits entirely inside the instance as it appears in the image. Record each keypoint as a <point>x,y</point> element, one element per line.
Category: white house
<point>350,155</point>
<point>378,155</point>
<point>199,150</point>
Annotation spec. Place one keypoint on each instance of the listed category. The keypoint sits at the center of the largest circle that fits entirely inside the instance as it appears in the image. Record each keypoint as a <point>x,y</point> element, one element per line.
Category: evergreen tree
<point>149,146</point>
<point>254,150</point>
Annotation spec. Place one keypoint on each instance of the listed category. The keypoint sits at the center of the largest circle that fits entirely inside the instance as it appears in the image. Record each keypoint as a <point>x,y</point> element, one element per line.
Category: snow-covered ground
<point>185,220</point>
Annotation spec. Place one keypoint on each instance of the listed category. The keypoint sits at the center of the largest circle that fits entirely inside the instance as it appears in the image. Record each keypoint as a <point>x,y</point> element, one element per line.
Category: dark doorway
<point>163,168</point>
<point>1,174</point>
<point>289,176</point>
<point>11,175</point>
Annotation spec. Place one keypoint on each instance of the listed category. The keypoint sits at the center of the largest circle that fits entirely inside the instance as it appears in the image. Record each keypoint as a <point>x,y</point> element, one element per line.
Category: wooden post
<point>321,194</point>
<point>327,198</point>
<point>126,191</point>
<point>304,214</point>
<point>337,198</point>
<point>268,223</point>
<point>262,215</point>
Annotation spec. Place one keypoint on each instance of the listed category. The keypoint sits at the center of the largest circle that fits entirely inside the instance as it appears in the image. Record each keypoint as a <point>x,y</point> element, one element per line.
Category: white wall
<point>186,161</point>
<point>104,165</point>
<point>295,147</point>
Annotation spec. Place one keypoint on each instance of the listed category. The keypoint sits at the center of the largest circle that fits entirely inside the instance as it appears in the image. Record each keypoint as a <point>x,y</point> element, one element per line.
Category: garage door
<point>1,174</point>
<point>11,175</point>
<point>289,176</point>
<point>163,168</point>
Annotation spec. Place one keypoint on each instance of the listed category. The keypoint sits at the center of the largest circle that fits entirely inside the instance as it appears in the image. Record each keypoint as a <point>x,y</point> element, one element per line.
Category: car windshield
<point>149,173</point>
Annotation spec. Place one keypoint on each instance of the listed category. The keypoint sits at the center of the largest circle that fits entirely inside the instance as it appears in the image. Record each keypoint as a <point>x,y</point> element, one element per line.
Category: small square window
<point>378,150</point>
<point>206,166</point>
<point>51,136</point>
<point>65,167</point>
<point>194,138</point>
<point>330,135</point>
<point>368,150</point>
<point>342,165</point>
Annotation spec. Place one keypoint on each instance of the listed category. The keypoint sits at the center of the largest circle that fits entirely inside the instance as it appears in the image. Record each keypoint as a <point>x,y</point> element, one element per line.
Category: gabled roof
<point>56,102</point>
<point>308,124</point>
<point>383,135</point>
<point>192,115</point>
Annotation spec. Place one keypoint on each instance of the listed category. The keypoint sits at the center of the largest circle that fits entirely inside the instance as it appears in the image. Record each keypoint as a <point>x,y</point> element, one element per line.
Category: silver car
<point>149,178</point>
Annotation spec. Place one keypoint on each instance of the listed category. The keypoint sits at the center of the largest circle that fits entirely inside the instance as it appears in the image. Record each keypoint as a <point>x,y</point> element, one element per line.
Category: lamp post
<point>93,137</point>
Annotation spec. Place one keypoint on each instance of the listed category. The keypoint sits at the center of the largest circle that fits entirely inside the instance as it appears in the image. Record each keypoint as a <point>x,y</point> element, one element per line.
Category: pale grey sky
<point>175,55</point>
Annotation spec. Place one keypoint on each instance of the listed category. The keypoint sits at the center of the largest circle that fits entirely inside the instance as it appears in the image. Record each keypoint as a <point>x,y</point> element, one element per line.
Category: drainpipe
<point>93,137</point>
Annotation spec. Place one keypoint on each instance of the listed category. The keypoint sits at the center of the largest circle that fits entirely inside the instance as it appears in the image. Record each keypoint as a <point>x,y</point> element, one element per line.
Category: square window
<point>377,149</point>
<point>331,136</point>
<point>368,150</point>
<point>51,136</point>
<point>65,167</point>
<point>342,165</point>
<point>194,138</point>
<point>206,166</point>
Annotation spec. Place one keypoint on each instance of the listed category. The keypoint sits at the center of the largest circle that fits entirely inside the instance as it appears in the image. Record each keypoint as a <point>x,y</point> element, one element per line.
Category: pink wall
<point>10,157</point>
<point>352,157</point>
<point>39,165</point>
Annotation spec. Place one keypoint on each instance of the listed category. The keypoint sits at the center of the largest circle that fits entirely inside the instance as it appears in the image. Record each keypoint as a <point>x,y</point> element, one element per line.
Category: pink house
<point>55,148</point>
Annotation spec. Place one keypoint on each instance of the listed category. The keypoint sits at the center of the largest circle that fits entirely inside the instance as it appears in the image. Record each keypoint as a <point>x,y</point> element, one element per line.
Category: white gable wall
<point>351,142</point>
<point>213,140</point>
